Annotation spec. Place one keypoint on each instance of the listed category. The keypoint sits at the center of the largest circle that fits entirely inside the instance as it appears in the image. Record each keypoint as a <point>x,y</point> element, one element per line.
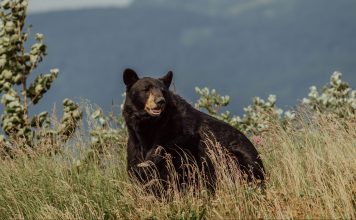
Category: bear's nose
<point>160,101</point>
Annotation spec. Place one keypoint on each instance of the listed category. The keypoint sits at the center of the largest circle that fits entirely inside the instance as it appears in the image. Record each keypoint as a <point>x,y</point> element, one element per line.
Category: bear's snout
<point>155,103</point>
<point>160,101</point>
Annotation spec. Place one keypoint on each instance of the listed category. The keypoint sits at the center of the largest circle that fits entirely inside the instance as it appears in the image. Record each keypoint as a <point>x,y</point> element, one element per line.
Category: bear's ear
<point>167,79</point>
<point>130,77</point>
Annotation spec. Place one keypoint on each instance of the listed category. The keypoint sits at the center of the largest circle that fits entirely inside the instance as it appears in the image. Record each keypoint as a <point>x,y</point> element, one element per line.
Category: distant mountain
<point>242,48</point>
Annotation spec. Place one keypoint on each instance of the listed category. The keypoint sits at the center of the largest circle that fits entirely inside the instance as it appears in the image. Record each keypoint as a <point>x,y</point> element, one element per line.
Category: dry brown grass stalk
<point>311,173</point>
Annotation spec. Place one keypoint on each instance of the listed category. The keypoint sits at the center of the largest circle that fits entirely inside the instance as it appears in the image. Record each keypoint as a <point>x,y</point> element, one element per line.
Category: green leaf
<point>10,26</point>
<point>39,37</point>
<point>5,4</point>
<point>7,74</point>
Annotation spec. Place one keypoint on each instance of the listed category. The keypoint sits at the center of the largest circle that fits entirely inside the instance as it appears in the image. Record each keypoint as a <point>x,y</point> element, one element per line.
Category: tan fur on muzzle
<point>150,106</point>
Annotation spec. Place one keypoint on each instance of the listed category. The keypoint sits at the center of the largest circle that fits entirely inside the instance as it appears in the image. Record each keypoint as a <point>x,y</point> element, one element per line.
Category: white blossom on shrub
<point>211,101</point>
<point>255,119</point>
<point>336,98</point>
<point>257,116</point>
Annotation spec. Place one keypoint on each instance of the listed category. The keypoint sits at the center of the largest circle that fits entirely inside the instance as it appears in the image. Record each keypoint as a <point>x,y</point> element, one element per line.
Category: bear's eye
<point>146,89</point>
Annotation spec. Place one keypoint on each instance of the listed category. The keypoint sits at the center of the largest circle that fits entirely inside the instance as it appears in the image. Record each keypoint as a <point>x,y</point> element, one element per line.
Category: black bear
<point>160,121</point>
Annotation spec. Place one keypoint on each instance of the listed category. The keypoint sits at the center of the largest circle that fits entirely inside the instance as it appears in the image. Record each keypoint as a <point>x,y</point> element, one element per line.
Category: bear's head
<point>147,95</point>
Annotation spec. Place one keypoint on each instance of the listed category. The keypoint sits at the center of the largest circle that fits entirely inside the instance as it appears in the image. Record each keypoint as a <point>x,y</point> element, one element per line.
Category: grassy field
<point>311,173</point>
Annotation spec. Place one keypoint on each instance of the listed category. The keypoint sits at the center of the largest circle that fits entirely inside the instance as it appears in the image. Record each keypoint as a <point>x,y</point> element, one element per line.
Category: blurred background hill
<point>242,48</point>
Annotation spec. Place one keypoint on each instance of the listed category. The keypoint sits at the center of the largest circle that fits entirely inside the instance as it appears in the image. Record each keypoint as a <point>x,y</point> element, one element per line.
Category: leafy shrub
<point>16,64</point>
<point>106,128</point>
<point>336,98</point>
<point>256,116</point>
<point>212,102</point>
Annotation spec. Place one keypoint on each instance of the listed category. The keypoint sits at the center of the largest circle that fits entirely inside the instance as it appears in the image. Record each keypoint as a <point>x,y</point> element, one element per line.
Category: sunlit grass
<point>311,173</point>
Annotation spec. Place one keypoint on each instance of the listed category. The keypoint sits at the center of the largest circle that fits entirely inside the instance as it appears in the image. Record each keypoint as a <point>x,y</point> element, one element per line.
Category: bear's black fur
<point>160,121</point>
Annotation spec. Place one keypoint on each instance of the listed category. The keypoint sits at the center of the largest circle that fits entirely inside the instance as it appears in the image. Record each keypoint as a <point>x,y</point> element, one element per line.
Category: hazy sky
<point>50,5</point>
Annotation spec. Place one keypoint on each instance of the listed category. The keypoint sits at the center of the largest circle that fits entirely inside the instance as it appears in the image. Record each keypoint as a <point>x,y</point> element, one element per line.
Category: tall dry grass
<point>311,173</point>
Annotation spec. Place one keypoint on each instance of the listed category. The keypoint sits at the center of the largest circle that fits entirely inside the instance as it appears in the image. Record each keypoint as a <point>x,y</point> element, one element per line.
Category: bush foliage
<point>16,65</point>
<point>336,98</point>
